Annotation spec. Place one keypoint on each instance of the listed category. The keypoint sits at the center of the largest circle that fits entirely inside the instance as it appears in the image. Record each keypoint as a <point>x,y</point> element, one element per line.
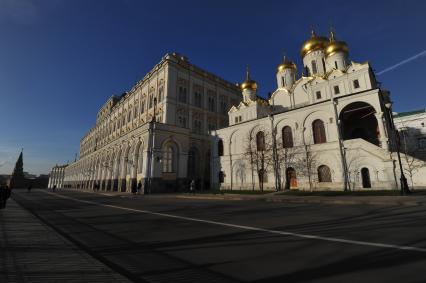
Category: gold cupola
<point>313,43</point>
<point>335,46</point>
<point>286,64</point>
<point>248,83</point>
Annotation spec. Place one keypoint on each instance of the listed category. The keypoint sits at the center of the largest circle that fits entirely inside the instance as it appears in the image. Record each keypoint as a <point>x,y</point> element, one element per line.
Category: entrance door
<point>365,175</point>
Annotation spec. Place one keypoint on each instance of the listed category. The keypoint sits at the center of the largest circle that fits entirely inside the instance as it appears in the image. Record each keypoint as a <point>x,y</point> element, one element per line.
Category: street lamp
<point>404,185</point>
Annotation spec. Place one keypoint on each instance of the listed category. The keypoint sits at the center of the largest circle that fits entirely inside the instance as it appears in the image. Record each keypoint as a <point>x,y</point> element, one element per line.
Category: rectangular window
<point>236,120</point>
<point>314,67</point>
<point>240,119</point>
<point>318,94</point>
<point>356,84</point>
<point>336,89</point>
<point>182,94</point>
<point>335,64</point>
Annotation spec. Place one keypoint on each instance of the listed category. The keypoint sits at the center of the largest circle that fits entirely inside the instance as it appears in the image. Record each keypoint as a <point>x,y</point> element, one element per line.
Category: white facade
<point>125,147</point>
<point>57,175</point>
<point>328,130</point>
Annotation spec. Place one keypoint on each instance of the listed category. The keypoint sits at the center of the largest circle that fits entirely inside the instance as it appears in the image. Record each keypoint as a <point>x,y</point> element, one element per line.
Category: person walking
<point>4,195</point>
<point>139,188</point>
<point>29,188</point>
<point>192,187</point>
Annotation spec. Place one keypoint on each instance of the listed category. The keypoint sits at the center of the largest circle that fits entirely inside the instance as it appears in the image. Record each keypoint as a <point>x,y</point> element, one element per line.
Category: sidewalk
<point>33,252</point>
<point>411,200</point>
<point>348,200</point>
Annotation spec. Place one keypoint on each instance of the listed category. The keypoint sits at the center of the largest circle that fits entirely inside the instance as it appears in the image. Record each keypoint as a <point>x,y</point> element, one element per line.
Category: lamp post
<point>151,159</point>
<point>404,185</point>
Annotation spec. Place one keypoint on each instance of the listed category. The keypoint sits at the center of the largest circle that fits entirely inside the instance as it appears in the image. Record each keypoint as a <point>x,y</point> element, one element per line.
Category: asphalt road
<point>158,239</point>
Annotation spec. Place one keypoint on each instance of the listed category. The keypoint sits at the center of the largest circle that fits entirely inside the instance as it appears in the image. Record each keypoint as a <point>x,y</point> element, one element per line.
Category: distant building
<point>57,176</point>
<point>412,132</point>
<point>21,179</point>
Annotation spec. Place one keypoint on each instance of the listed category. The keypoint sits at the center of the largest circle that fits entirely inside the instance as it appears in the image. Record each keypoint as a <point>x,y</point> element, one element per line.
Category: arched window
<point>140,158</point>
<point>220,147</point>
<point>168,159</point>
<point>324,174</point>
<point>287,137</point>
<point>365,175</point>
<point>314,67</point>
<point>260,141</point>
<point>318,131</point>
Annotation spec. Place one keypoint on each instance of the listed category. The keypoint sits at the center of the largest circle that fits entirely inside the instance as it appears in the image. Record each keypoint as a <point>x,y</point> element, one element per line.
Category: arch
<point>170,153</point>
<point>358,121</point>
<point>287,137</point>
<point>318,131</point>
<point>324,174</point>
<point>138,158</point>
<point>220,147</point>
<point>291,178</point>
<point>260,141</point>
<point>365,176</point>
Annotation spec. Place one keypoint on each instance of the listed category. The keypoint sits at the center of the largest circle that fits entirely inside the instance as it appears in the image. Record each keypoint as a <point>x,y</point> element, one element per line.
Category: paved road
<point>155,239</point>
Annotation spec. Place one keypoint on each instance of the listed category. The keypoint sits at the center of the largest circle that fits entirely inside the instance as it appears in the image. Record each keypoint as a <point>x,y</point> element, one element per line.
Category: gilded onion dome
<point>248,83</point>
<point>313,43</point>
<point>335,46</point>
<point>286,64</point>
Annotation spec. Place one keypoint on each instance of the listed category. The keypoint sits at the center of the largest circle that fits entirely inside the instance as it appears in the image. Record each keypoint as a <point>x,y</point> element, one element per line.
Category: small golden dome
<point>335,46</point>
<point>286,64</point>
<point>313,43</point>
<point>248,83</point>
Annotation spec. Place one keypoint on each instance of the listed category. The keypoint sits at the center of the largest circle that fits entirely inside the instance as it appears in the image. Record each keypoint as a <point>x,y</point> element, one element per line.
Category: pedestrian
<point>4,195</point>
<point>133,188</point>
<point>139,186</point>
<point>192,187</point>
<point>29,188</point>
<point>54,188</point>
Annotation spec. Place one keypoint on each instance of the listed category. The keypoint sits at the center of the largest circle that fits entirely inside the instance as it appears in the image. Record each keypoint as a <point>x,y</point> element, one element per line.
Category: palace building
<point>328,125</point>
<point>158,133</point>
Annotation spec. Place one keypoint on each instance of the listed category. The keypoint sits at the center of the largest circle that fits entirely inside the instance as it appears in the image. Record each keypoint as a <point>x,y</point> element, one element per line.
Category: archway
<point>291,178</point>
<point>365,176</point>
<point>358,121</point>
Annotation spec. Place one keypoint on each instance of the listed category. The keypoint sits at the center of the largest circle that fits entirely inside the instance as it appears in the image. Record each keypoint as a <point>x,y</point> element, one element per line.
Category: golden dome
<point>248,83</point>
<point>286,64</point>
<point>335,46</point>
<point>313,43</point>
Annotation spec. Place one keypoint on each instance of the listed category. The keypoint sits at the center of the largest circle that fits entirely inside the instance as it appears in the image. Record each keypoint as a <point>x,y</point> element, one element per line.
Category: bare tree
<point>411,164</point>
<point>258,151</point>
<point>352,167</point>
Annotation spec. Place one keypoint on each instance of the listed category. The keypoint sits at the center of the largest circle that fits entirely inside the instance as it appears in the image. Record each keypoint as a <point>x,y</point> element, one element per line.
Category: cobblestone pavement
<point>33,252</point>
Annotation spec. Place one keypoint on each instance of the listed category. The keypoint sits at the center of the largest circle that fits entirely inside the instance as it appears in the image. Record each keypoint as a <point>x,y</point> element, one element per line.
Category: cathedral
<point>327,126</point>
<point>330,128</point>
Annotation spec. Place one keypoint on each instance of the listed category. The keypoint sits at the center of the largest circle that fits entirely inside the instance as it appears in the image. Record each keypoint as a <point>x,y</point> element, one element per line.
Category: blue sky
<point>61,59</point>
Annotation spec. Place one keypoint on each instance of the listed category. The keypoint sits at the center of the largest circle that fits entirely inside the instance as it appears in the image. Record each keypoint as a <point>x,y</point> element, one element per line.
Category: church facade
<point>157,134</point>
<point>328,129</point>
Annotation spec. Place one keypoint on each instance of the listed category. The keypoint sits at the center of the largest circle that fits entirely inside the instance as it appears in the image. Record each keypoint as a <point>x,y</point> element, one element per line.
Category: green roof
<point>403,114</point>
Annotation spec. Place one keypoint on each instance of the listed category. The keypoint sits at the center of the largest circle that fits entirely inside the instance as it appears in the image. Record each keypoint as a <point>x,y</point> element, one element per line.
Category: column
<point>383,139</point>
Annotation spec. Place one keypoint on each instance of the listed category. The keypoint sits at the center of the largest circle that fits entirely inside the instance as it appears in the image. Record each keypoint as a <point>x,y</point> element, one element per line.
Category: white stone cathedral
<point>328,128</point>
